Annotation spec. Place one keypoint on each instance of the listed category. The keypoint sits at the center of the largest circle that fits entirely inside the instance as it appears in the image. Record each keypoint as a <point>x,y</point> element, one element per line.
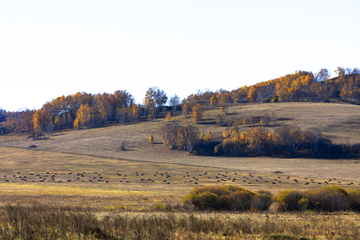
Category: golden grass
<point>136,194</point>
<point>98,150</point>
<point>49,222</point>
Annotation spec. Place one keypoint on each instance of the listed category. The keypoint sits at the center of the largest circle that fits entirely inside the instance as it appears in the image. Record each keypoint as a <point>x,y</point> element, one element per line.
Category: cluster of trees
<point>259,140</point>
<point>78,110</point>
<point>300,86</point>
<point>179,137</point>
<point>83,110</point>
<point>286,141</point>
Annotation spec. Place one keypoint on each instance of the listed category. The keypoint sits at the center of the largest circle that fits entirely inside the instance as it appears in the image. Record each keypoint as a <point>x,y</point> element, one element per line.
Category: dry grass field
<point>174,172</point>
<point>87,168</point>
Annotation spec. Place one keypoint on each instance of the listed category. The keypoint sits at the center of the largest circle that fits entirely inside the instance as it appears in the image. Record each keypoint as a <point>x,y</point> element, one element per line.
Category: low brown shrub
<point>329,199</point>
<point>230,198</point>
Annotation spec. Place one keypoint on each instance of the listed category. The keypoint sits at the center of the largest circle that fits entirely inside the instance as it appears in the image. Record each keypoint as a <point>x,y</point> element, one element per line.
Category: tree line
<point>84,110</point>
<point>298,87</point>
<point>285,141</point>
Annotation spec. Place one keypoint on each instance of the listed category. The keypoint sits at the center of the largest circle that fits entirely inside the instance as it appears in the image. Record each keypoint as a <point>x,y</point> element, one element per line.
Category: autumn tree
<point>219,119</point>
<point>312,136</point>
<point>323,75</point>
<point>40,122</point>
<point>209,136</point>
<point>135,112</point>
<point>169,134</point>
<point>168,116</point>
<point>224,109</point>
<point>244,121</point>
<point>187,137</point>
<point>256,139</point>
<point>83,116</point>
<point>121,114</point>
<point>252,94</point>
<point>130,114</point>
<point>196,113</point>
<point>289,136</point>
<point>151,138</point>
<point>214,100</point>
<point>187,109</point>
<point>149,101</point>
<point>25,121</point>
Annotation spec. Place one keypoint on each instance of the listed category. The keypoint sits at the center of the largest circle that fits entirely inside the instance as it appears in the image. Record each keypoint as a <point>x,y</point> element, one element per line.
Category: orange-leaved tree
<point>187,109</point>
<point>83,116</point>
<point>168,116</point>
<point>214,100</point>
<point>151,138</point>
<point>197,113</point>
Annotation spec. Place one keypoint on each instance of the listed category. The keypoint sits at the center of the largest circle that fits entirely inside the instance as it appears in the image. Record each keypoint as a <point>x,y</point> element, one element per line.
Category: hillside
<point>339,122</point>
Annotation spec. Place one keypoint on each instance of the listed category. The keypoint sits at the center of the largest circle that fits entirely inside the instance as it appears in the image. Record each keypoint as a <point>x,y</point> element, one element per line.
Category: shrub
<point>289,200</point>
<point>331,201</point>
<point>331,198</point>
<point>240,200</point>
<point>226,198</point>
<point>160,206</point>
<point>303,204</point>
<point>265,192</point>
<point>354,198</point>
<point>261,202</point>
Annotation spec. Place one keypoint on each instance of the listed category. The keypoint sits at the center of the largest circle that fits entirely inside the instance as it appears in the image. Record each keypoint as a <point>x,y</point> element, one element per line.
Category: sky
<point>50,48</point>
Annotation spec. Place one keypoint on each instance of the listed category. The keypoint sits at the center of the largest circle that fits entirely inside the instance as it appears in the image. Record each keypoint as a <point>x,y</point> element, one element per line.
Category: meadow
<point>86,170</point>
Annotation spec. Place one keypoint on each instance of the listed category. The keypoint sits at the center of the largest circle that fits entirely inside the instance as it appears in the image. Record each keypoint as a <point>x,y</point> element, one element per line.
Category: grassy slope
<point>98,150</point>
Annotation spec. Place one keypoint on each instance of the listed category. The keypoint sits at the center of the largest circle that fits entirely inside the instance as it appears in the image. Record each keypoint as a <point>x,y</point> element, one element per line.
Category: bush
<point>303,204</point>
<point>240,201</point>
<point>228,197</point>
<point>261,202</point>
<point>160,206</point>
<point>331,199</point>
<point>265,192</point>
<point>289,200</point>
<point>354,200</point>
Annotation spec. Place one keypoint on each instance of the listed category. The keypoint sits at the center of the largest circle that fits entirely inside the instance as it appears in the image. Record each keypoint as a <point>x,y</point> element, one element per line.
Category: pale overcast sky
<point>51,48</point>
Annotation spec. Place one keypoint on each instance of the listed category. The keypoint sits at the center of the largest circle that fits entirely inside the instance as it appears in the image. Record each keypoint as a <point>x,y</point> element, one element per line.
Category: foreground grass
<point>47,222</point>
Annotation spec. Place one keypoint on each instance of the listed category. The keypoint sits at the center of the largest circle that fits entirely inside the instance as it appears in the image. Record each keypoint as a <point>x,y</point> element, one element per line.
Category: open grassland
<point>108,193</point>
<point>47,222</point>
<point>28,176</point>
<point>339,122</point>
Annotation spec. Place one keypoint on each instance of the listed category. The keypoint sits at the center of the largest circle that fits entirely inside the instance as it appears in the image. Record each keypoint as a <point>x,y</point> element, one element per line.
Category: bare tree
<point>312,136</point>
<point>274,117</point>
<point>169,134</point>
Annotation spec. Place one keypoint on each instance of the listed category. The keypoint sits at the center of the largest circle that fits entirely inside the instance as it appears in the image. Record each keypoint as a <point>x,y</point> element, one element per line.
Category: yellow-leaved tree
<point>214,100</point>
<point>151,138</point>
<point>187,109</point>
<point>197,113</point>
<point>39,123</point>
<point>168,116</point>
<point>83,116</point>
